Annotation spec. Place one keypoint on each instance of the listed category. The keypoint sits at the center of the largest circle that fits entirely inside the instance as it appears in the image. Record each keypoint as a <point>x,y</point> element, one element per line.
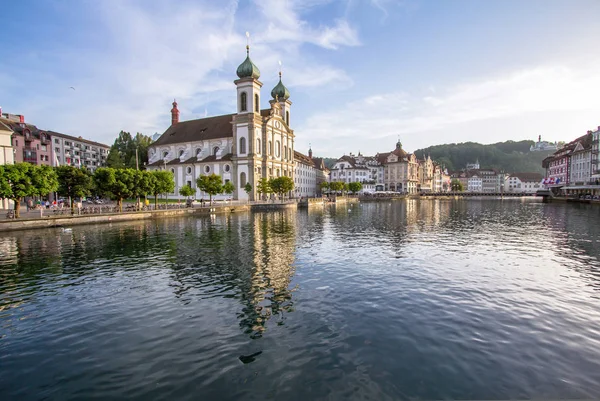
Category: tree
<point>142,184</point>
<point>122,152</point>
<point>228,188</point>
<point>344,187</point>
<point>248,189</point>
<point>118,184</point>
<point>161,182</point>
<point>23,179</point>
<point>281,185</point>
<point>355,187</point>
<point>211,184</point>
<point>325,186</point>
<point>73,182</point>
<point>186,191</point>
<point>336,186</point>
<point>263,187</point>
<point>456,185</point>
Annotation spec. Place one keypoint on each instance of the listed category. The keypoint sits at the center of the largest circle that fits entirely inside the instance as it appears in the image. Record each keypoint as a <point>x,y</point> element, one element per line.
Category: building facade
<point>242,147</point>
<point>6,156</point>
<point>29,143</point>
<point>305,176</point>
<point>400,170</point>
<point>543,146</point>
<point>523,183</point>
<point>78,152</point>
<point>559,166</point>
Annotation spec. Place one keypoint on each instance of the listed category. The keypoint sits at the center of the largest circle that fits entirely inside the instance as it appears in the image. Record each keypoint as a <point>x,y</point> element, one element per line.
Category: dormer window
<point>215,150</point>
<point>198,151</point>
<point>165,154</point>
<point>181,153</point>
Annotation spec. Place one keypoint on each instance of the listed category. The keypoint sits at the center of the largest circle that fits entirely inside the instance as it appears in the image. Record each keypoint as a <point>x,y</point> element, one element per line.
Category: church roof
<point>197,130</point>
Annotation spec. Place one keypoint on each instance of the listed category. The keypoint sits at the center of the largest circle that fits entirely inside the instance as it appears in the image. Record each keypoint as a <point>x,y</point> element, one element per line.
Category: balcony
<point>30,155</point>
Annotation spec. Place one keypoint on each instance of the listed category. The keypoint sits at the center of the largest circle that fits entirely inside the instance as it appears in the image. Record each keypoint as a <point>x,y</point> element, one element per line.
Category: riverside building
<point>242,147</point>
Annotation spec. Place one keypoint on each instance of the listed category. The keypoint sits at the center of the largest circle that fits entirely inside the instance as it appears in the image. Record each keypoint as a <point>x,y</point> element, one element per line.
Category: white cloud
<point>153,52</point>
<point>467,111</point>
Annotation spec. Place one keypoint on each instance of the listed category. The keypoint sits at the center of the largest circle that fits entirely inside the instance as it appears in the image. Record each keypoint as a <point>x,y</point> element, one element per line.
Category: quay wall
<point>67,221</point>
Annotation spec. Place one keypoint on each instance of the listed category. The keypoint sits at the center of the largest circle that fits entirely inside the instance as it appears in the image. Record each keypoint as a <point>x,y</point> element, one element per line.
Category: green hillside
<point>510,156</point>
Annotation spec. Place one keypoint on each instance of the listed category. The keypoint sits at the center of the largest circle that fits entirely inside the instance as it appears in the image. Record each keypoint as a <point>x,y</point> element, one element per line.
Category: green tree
<point>21,180</point>
<point>122,152</point>
<point>281,185</point>
<point>228,188</point>
<point>118,184</point>
<point>73,182</point>
<point>210,184</point>
<point>336,186</point>
<point>161,182</point>
<point>248,189</point>
<point>456,185</point>
<point>344,188</point>
<point>142,184</point>
<point>325,186</point>
<point>355,187</point>
<point>186,191</point>
<point>263,187</point>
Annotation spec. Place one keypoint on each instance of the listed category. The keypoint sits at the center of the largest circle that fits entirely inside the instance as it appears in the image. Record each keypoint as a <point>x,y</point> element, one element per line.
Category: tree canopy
<point>161,182</point>
<point>509,156</point>
<point>355,187</point>
<point>73,182</point>
<point>122,152</point>
<point>456,185</point>
<point>186,191</point>
<point>21,180</point>
<point>210,184</point>
<point>281,185</point>
<point>263,187</point>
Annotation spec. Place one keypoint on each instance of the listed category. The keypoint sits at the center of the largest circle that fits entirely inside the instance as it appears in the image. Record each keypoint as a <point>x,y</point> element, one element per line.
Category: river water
<point>383,301</point>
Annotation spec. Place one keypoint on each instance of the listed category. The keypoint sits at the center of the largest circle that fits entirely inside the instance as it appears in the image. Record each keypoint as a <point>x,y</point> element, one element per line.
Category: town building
<point>321,170</point>
<point>425,175</point>
<point>473,166</point>
<point>595,170</point>
<point>74,151</point>
<point>544,146</point>
<point>242,147</point>
<point>559,165</point>
<point>29,143</point>
<point>523,183</point>
<point>580,170</point>
<point>6,156</point>
<point>305,176</point>
<point>400,170</point>
<point>364,169</point>
<point>474,182</point>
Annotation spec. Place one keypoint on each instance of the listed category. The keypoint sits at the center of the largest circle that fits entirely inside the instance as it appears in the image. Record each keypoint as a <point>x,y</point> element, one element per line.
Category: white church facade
<point>242,147</point>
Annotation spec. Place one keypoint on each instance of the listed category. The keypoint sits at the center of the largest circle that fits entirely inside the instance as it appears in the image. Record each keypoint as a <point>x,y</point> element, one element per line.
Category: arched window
<point>242,145</point>
<point>172,171</point>
<point>198,151</point>
<point>277,148</point>
<point>256,104</point>
<point>277,171</point>
<point>258,146</point>
<point>243,102</point>
<point>285,152</point>
<point>290,153</point>
<point>270,148</point>
<point>181,152</point>
<point>215,150</point>
<point>242,180</point>
<point>287,118</point>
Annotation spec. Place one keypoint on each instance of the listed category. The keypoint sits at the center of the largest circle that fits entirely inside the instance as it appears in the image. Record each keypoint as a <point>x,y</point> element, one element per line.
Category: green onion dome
<point>247,69</point>
<point>280,91</point>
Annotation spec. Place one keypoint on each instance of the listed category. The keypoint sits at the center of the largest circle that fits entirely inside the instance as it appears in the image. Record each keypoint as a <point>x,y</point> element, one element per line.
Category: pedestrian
<point>47,204</point>
<point>30,204</point>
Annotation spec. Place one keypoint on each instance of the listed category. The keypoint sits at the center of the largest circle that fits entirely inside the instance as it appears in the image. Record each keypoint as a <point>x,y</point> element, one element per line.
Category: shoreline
<point>68,221</point>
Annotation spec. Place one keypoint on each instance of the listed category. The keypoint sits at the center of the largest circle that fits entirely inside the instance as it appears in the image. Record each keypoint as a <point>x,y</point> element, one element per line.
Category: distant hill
<point>510,156</point>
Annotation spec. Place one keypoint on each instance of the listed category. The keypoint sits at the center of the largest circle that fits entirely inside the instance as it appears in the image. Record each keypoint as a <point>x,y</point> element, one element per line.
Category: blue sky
<point>361,72</point>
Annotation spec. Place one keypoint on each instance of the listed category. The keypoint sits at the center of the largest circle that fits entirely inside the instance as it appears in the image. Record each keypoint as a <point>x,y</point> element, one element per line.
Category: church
<point>242,147</point>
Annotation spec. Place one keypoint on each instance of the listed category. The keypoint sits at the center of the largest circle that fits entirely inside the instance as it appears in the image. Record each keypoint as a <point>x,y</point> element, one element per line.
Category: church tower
<point>247,127</point>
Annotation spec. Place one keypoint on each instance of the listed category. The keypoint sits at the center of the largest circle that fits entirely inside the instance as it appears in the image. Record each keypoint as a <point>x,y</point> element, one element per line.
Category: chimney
<point>174,113</point>
<point>21,119</point>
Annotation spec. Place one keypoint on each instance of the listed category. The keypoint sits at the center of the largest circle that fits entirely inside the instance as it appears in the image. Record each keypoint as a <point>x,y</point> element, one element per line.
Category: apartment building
<point>76,151</point>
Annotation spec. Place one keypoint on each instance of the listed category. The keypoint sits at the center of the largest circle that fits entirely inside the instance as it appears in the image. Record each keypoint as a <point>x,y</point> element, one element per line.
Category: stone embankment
<point>68,221</point>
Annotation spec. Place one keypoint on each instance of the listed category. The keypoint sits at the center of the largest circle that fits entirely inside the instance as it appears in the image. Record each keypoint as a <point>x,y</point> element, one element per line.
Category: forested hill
<point>510,156</point>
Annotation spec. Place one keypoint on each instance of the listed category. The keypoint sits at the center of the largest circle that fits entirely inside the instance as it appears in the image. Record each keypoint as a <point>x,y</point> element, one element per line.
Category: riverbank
<point>68,221</point>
